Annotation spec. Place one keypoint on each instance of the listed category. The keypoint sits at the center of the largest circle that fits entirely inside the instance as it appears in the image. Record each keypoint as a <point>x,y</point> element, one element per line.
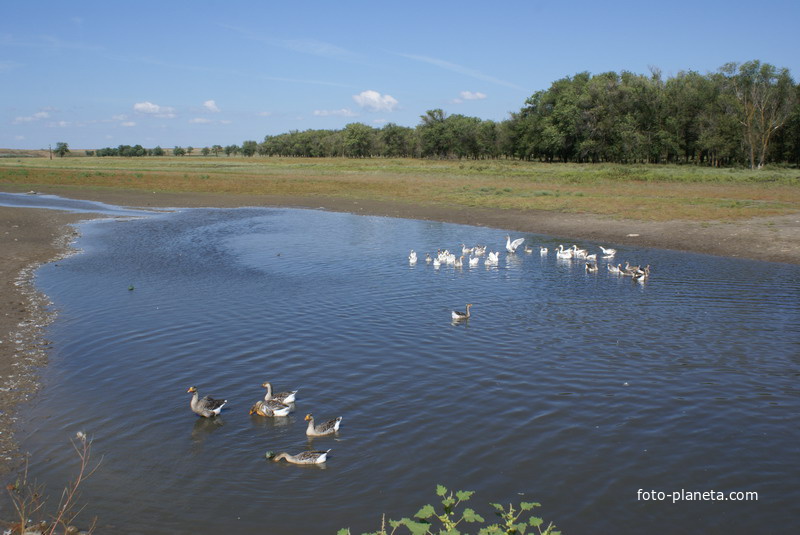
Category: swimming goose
<point>270,408</point>
<point>579,253</point>
<point>630,270</point>
<point>459,262</point>
<point>457,315</point>
<point>305,457</point>
<point>563,253</point>
<point>642,274</point>
<point>615,269</point>
<point>543,251</point>
<point>528,249</point>
<point>328,428</point>
<point>608,252</point>
<point>493,258</point>
<point>479,250</point>
<point>591,267</point>
<point>511,246</point>
<point>412,257</point>
<point>473,261</point>
<point>207,406</point>
<point>428,258</point>
<point>466,250</point>
<point>283,397</point>
<point>437,262</point>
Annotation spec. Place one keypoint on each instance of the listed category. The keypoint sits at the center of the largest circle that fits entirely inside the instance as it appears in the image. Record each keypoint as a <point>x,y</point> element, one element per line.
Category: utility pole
<point>50,148</point>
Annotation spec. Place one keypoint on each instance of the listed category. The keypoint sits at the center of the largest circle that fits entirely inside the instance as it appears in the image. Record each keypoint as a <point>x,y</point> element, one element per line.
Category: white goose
<point>511,246</point>
<point>493,258</point>
<point>412,257</point>
<point>543,251</point>
<point>473,261</point>
<point>563,253</point>
<point>466,250</point>
<point>479,250</point>
<point>458,315</point>
<point>608,252</point>
<point>459,262</point>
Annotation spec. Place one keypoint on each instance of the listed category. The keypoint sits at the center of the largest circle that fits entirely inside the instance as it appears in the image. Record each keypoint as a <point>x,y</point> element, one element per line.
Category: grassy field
<point>645,192</point>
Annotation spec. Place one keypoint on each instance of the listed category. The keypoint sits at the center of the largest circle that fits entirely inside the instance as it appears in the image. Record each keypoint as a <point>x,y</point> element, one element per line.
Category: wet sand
<point>30,237</point>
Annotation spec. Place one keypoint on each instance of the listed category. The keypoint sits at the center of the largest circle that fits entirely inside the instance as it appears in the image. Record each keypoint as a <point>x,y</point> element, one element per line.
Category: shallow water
<point>571,389</point>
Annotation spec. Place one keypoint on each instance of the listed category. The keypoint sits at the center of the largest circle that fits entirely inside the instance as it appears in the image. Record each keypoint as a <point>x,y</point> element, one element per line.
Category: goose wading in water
<point>324,429</point>
<point>457,315</point>
<point>283,397</point>
<point>270,408</point>
<point>207,406</point>
<point>305,457</point>
<point>511,246</point>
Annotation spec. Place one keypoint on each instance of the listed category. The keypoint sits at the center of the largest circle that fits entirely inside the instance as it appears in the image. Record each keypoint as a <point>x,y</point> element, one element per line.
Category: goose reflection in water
<point>204,427</point>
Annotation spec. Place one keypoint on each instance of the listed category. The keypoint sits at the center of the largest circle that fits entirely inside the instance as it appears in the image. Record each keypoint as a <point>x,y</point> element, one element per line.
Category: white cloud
<point>211,106</point>
<point>226,121</point>
<point>120,117</point>
<point>39,115</point>
<point>200,120</point>
<point>374,101</point>
<point>154,109</point>
<point>469,95</point>
<point>128,124</point>
<point>344,112</point>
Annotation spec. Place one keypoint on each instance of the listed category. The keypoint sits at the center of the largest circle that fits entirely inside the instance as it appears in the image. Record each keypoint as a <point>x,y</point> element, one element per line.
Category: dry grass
<point>656,193</point>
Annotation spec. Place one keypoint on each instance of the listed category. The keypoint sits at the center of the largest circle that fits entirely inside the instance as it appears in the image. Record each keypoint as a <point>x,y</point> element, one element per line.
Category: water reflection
<point>606,383</point>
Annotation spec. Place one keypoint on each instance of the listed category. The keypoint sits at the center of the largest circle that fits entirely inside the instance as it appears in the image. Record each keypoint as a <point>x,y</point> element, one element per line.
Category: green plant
<point>448,521</point>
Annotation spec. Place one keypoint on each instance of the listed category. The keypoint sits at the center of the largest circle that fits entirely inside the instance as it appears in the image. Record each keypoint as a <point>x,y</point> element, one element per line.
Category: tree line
<point>743,114</point>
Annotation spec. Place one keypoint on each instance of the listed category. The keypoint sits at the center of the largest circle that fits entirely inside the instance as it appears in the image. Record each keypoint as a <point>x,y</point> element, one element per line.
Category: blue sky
<point>98,74</point>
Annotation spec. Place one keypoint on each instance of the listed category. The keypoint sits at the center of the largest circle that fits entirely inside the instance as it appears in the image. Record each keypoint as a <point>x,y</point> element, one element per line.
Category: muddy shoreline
<point>30,237</point>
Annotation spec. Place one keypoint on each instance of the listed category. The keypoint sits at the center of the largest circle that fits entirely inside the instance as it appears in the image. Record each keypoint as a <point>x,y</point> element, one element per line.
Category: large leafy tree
<point>766,98</point>
<point>62,149</point>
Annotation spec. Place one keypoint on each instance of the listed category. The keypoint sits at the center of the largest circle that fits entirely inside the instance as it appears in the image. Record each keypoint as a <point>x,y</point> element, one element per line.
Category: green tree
<point>205,151</point>
<point>158,151</point>
<point>435,138</point>
<point>358,140</point>
<point>766,98</point>
<point>178,151</point>
<point>249,148</point>
<point>62,149</point>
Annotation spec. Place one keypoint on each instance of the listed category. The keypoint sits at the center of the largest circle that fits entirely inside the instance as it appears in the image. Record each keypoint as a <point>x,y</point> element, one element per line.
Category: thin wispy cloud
<point>47,42</point>
<point>304,46</point>
<point>200,120</point>
<point>211,106</point>
<point>466,71</point>
<point>38,116</point>
<point>344,112</point>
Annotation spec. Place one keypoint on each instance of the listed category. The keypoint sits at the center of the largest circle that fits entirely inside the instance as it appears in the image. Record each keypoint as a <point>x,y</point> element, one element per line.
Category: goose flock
<point>273,405</point>
<point>472,256</point>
